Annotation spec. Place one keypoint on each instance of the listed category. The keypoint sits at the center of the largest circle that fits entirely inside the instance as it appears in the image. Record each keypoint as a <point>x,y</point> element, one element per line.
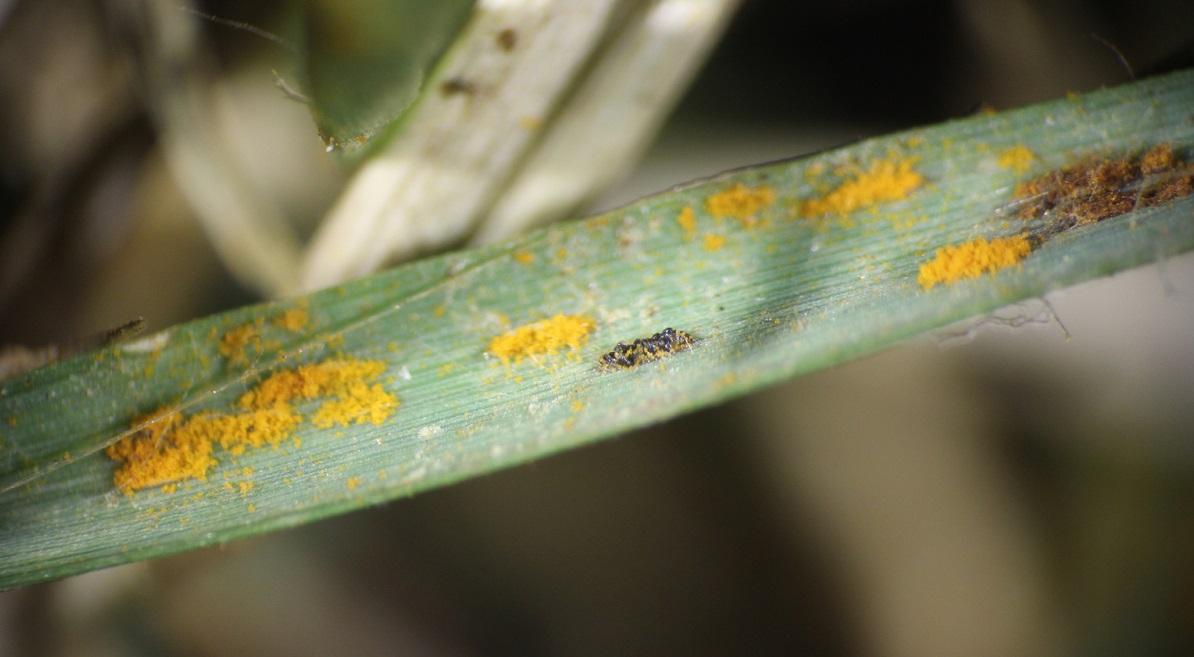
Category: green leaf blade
<point>786,296</point>
<point>364,62</point>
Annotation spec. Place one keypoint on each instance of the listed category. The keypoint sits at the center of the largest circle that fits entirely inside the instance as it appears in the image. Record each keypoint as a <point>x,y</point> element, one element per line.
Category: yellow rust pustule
<point>235,343</point>
<point>890,179</point>
<point>972,259</point>
<point>544,337</point>
<point>1018,158</point>
<point>740,202</point>
<point>687,221</point>
<point>171,447</point>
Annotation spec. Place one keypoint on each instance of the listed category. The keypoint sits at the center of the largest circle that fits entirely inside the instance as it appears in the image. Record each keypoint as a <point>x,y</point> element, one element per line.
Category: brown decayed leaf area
<point>1098,188</point>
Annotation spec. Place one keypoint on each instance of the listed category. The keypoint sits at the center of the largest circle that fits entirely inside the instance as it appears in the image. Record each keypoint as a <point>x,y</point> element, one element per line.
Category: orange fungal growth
<point>1017,158</point>
<point>327,378</point>
<point>687,221</point>
<point>889,179</point>
<point>292,320</point>
<point>236,341</point>
<point>158,460</point>
<point>740,202</point>
<point>359,404</point>
<point>170,448</point>
<point>524,257</point>
<point>547,336</point>
<point>714,242</point>
<point>972,259</point>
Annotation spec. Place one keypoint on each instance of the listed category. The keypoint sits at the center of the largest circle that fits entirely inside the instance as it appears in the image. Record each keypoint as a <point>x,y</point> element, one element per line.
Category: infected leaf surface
<point>787,292</point>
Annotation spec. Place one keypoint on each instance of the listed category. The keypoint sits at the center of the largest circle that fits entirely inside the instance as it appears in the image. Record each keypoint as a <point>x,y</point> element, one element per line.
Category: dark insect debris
<point>645,350</point>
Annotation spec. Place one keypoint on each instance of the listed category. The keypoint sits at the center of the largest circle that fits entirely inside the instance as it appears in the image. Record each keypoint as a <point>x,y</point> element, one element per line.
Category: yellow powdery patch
<point>171,448</point>
<point>524,257</point>
<point>358,404</point>
<point>714,242</point>
<point>237,340</point>
<point>292,320</point>
<point>740,202</point>
<point>687,221</point>
<point>972,259</point>
<point>1017,158</point>
<point>889,179</point>
<point>543,337</point>
<point>330,378</point>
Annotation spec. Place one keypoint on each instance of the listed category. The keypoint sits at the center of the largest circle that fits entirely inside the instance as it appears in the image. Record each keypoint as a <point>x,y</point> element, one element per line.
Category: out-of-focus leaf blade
<point>364,61</point>
<point>780,296</point>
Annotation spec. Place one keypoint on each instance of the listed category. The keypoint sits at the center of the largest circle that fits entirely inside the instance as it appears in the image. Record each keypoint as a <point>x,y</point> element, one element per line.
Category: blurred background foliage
<point>983,492</point>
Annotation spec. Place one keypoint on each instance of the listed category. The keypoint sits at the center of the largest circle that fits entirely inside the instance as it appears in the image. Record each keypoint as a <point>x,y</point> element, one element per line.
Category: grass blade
<point>364,62</point>
<point>770,295</point>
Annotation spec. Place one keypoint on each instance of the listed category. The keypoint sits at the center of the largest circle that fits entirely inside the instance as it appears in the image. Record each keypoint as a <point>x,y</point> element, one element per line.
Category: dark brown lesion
<point>457,85</point>
<point>1095,189</point>
<point>646,350</point>
<point>507,39</point>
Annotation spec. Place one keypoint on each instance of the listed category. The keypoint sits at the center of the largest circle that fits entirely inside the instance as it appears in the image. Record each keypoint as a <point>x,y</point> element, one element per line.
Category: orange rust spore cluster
<point>713,242</point>
<point>1018,158</point>
<point>888,179</point>
<point>547,336</point>
<point>1099,188</point>
<point>972,259</point>
<point>293,320</point>
<point>740,202</point>
<point>170,447</point>
<point>687,221</point>
<point>236,342</point>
